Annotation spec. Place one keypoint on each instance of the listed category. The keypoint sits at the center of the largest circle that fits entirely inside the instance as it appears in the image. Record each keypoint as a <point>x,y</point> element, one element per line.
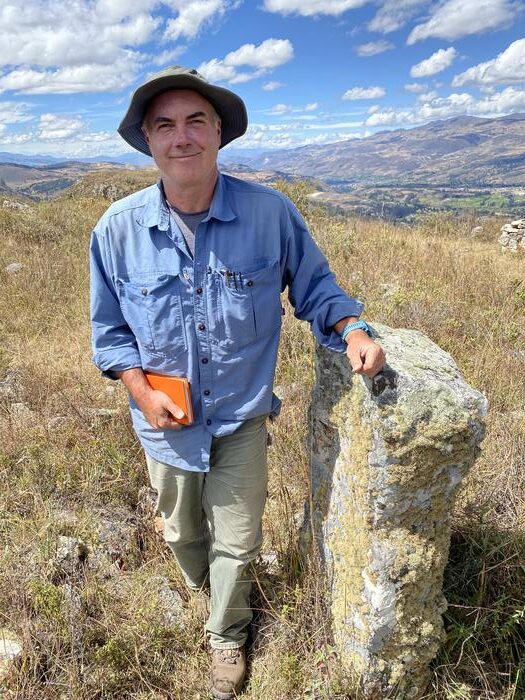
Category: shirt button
<point>208,422</point>
<point>144,292</point>
<point>199,290</point>
<point>201,327</point>
<point>206,392</point>
<point>204,360</point>
<point>250,283</point>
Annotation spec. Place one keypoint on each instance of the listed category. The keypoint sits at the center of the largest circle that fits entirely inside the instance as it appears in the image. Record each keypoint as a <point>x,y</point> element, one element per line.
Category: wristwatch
<point>356,325</point>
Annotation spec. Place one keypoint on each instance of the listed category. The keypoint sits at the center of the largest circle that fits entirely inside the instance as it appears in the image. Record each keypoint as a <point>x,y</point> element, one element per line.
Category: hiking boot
<point>228,668</point>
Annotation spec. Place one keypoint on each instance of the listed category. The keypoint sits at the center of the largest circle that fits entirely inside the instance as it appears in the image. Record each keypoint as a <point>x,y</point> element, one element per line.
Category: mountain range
<point>463,151</point>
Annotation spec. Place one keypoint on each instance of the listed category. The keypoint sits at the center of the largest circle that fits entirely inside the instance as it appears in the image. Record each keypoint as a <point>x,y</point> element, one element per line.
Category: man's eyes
<point>192,122</point>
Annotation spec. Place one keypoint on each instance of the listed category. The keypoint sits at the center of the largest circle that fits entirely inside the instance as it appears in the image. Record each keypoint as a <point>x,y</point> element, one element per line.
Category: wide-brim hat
<point>229,106</point>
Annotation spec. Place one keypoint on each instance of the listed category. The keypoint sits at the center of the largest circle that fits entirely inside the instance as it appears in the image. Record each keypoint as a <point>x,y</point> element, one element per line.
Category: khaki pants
<point>212,522</point>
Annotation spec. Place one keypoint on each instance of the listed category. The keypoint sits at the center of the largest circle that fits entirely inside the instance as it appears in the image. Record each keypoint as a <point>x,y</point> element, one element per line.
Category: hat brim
<point>228,105</point>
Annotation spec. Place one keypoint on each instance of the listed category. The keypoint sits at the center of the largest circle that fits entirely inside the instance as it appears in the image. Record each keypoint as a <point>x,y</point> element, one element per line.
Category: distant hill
<point>41,181</point>
<point>133,158</point>
<point>467,151</point>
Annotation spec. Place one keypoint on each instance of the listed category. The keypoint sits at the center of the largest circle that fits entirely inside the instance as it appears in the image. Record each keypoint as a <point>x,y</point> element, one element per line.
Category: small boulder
<point>10,651</point>
<point>14,267</point>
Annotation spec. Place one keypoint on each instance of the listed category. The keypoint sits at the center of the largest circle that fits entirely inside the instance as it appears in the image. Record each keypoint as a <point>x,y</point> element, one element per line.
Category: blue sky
<point>310,71</point>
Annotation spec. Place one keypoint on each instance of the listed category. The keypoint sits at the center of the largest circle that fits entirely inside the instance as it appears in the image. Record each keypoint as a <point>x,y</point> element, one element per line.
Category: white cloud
<point>15,139</point>
<point>270,54</point>
<point>507,67</point>
<point>374,47</point>
<point>272,85</point>
<point>309,8</point>
<point>243,78</point>
<point>93,45</point>
<point>83,78</point>
<point>85,46</point>
<point>361,93</point>
<point>193,16</point>
<point>457,18</point>
<point>42,33</point>
<point>311,107</point>
<point>14,113</point>
<point>66,144</point>
<point>439,61</point>
<point>293,135</point>
<point>499,103</point>
<point>281,109</point>
<point>168,57</point>
<point>334,125</point>
<point>260,59</point>
<point>117,10</point>
<point>96,136</point>
<point>216,70</point>
<point>394,14</point>
<point>415,87</point>
<point>428,96</point>
<point>54,127</point>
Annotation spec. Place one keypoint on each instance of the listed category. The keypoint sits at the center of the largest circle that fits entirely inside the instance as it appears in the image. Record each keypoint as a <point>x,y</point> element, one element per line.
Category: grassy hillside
<point>69,462</point>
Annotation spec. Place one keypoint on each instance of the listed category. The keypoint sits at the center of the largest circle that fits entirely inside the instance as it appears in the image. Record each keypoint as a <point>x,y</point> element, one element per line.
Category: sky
<point>309,71</point>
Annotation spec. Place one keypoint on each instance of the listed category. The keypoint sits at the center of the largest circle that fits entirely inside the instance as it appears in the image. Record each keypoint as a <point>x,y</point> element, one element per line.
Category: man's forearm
<point>342,323</point>
<point>135,382</point>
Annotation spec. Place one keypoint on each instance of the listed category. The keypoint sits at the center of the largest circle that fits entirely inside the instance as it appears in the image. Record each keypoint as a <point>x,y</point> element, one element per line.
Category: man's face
<point>184,134</point>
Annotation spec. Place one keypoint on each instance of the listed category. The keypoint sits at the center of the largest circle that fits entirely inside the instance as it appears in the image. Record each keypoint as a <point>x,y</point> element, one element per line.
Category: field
<point>69,463</point>
<point>408,203</point>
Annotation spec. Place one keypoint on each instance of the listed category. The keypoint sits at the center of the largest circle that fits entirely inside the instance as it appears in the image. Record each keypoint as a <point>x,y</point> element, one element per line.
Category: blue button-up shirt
<point>153,306</point>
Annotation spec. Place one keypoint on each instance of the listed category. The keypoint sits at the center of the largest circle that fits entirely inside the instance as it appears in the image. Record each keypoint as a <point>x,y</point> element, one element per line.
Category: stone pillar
<point>387,457</point>
<point>512,236</point>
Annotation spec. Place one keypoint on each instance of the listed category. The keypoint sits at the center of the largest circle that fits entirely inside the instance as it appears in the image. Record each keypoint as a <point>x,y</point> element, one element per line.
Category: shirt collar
<point>220,207</point>
<point>157,212</point>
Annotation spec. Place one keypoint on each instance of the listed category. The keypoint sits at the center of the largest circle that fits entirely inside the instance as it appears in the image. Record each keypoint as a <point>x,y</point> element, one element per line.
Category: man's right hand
<point>158,409</point>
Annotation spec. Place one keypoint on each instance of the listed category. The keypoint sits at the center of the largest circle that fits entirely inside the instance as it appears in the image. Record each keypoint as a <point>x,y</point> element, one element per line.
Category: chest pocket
<point>151,305</point>
<point>250,305</point>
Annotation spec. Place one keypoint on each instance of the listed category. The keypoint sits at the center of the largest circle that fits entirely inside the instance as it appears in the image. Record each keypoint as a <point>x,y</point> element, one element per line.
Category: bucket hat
<point>229,106</point>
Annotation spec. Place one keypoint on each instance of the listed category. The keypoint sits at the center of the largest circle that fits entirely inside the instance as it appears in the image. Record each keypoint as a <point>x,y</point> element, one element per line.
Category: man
<point>186,281</point>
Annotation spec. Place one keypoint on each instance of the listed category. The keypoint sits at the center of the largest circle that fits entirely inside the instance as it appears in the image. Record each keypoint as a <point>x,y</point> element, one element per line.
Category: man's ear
<point>145,132</point>
<point>218,125</point>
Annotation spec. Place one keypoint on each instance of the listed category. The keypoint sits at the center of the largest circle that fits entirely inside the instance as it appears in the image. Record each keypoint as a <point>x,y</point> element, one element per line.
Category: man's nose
<point>180,135</point>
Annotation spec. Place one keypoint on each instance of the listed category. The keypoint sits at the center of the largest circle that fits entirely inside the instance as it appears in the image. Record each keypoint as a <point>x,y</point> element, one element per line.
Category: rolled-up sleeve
<point>114,345</point>
<point>312,287</point>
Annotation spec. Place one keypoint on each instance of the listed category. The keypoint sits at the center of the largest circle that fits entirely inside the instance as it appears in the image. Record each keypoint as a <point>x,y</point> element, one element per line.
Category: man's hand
<point>365,356</point>
<point>158,409</point>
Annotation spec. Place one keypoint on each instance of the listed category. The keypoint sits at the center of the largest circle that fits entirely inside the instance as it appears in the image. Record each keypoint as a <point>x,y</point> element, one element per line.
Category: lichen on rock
<point>387,457</point>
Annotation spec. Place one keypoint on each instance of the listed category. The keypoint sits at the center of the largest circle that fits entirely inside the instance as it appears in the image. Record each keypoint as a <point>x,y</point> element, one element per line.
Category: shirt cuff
<point>324,330</point>
<point>109,362</point>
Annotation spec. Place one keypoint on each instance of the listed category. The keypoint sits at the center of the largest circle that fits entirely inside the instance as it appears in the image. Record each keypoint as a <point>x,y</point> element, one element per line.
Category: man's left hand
<point>365,356</point>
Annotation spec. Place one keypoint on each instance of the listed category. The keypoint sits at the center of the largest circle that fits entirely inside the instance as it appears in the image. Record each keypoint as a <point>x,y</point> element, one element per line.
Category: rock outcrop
<point>10,651</point>
<point>512,236</point>
<point>387,457</point>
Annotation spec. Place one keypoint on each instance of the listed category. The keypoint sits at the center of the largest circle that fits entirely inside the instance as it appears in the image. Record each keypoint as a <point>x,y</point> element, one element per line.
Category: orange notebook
<point>178,389</point>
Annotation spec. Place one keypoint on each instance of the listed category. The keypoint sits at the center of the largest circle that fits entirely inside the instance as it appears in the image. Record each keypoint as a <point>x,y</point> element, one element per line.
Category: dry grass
<point>465,294</point>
